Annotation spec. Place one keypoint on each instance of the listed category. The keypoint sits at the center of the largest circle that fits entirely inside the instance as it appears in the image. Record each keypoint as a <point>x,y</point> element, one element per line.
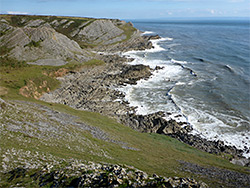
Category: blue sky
<point>129,9</point>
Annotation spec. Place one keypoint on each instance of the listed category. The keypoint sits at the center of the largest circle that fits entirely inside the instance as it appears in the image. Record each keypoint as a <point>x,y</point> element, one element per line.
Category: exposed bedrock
<point>93,89</point>
<point>32,44</point>
<point>155,123</point>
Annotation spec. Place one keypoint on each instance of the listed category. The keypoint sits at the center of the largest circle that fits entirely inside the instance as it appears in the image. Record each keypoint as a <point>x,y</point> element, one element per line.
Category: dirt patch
<point>61,72</point>
<point>34,91</point>
<point>3,91</point>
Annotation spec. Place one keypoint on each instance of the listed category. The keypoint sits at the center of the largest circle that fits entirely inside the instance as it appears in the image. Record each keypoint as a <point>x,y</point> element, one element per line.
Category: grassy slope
<point>14,75</point>
<point>157,153</point>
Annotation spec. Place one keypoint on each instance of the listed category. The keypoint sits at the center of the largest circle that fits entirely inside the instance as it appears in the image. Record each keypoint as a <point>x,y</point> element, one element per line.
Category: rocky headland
<point>58,41</point>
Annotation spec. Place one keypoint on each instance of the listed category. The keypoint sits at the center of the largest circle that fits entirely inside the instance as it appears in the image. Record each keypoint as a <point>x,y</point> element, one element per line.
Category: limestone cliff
<point>46,40</point>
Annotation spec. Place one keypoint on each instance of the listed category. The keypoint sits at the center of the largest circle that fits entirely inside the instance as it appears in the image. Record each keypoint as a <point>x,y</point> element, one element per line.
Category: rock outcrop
<point>53,40</point>
<point>100,31</point>
<point>227,177</point>
<point>92,88</point>
<point>78,174</point>
<point>136,42</point>
<point>42,43</point>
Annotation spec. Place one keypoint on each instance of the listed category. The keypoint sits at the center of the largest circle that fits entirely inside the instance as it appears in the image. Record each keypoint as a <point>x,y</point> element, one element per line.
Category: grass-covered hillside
<point>35,134</point>
<point>46,144</point>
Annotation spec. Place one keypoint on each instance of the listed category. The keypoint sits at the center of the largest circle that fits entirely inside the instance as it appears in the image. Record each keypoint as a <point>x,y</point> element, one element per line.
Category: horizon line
<point>160,18</point>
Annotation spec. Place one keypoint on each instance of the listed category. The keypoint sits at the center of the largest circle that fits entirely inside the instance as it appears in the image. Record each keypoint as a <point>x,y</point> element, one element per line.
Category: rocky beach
<point>95,89</point>
<point>59,42</point>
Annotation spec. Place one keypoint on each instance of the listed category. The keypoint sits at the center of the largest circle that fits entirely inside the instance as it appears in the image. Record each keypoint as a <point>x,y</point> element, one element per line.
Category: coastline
<point>87,119</point>
<point>101,95</point>
<point>179,117</point>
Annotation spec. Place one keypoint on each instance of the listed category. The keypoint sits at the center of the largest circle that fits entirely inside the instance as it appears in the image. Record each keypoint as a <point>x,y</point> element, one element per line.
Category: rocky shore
<point>94,89</point>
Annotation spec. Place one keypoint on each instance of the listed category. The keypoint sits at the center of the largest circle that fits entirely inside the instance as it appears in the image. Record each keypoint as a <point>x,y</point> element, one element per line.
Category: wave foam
<point>157,47</point>
<point>148,32</point>
<point>178,62</point>
<point>207,125</point>
<point>156,94</point>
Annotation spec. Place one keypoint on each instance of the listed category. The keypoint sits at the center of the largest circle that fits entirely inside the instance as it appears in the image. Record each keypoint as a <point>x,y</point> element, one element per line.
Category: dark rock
<point>17,173</point>
<point>229,178</point>
<point>158,68</point>
<point>152,37</point>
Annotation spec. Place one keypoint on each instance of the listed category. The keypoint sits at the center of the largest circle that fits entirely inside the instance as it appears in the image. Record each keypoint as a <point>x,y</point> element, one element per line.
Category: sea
<point>204,80</point>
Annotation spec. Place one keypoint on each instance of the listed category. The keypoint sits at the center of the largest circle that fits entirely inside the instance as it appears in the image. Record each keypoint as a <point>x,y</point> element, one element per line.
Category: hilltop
<point>64,124</point>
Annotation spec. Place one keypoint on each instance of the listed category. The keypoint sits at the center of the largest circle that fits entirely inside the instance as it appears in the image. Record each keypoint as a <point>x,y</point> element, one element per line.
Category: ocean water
<point>205,80</point>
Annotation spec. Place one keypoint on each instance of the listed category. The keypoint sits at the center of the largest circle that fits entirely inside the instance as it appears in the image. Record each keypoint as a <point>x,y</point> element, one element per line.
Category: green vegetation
<point>15,75</point>
<point>34,44</point>
<point>128,31</point>
<point>4,50</point>
<point>156,153</point>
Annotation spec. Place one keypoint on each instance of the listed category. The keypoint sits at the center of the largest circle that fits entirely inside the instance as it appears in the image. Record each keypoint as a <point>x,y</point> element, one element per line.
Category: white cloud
<point>16,12</point>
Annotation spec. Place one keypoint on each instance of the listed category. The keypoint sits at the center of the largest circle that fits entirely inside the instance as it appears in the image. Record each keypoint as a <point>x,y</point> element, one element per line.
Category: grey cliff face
<point>50,45</point>
<point>100,31</point>
<point>40,40</point>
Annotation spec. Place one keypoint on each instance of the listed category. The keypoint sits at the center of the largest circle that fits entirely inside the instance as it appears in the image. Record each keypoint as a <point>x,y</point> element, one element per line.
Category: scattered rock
<point>77,174</point>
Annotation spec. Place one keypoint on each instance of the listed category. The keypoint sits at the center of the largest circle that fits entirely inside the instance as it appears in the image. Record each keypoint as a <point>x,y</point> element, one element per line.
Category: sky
<point>129,9</point>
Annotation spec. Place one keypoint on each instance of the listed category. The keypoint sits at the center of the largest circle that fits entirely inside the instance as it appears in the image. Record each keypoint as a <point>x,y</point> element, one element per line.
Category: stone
<point>100,31</point>
<point>241,162</point>
<point>50,45</point>
<point>34,23</point>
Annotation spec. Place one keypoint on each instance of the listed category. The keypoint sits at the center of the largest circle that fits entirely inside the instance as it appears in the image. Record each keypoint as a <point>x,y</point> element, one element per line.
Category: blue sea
<point>205,80</point>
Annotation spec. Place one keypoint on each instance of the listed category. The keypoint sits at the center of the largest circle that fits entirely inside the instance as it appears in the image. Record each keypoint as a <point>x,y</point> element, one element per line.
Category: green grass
<point>34,44</point>
<point>161,147</point>
<point>156,153</point>
<point>128,31</point>
<point>15,74</point>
